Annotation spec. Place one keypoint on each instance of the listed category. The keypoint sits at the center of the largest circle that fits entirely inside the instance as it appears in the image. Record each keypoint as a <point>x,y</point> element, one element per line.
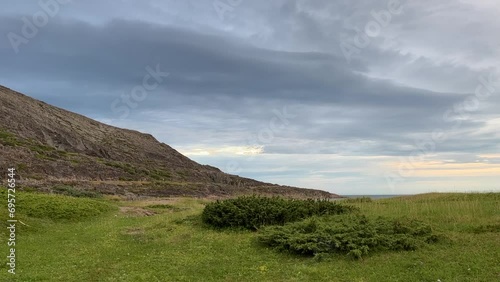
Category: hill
<point>51,147</point>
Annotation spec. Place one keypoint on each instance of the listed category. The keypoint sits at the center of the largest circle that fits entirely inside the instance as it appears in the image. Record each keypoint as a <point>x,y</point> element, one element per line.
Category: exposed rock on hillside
<point>51,146</point>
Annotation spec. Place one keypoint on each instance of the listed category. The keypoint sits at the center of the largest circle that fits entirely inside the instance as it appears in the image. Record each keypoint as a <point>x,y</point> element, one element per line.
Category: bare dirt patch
<point>136,211</point>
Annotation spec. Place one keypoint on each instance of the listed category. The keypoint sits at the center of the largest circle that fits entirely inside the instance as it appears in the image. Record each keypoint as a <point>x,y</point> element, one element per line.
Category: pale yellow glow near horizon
<point>490,156</point>
<point>443,169</point>
<point>229,150</point>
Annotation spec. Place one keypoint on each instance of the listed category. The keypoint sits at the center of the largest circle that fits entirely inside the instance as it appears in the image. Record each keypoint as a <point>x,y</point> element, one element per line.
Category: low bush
<point>252,212</point>
<point>8,139</point>
<point>354,235</point>
<point>166,207</point>
<point>74,192</point>
<point>357,200</point>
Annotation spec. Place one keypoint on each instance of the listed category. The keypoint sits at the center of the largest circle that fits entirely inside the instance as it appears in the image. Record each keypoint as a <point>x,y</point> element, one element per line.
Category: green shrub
<point>74,192</point>
<point>252,212</point>
<point>8,139</point>
<point>45,157</point>
<point>166,207</point>
<point>357,200</point>
<point>158,174</point>
<point>41,149</point>
<point>354,235</point>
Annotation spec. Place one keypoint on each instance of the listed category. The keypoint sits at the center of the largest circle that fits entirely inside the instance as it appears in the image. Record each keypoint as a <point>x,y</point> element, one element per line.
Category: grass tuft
<point>57,207</point>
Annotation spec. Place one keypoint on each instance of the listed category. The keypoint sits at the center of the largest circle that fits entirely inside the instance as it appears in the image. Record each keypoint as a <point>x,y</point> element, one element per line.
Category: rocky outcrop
<point>49,145</point>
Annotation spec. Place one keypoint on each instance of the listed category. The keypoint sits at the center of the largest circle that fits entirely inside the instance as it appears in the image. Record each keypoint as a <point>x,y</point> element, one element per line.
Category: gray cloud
<point>228,76</point>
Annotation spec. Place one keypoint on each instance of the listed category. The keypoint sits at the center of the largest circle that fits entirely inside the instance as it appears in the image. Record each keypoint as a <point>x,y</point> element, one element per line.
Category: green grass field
<point>80,239</point>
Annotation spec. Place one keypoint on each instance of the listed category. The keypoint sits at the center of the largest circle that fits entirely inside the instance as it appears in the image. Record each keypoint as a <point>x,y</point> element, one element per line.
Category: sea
<point>374,197</point>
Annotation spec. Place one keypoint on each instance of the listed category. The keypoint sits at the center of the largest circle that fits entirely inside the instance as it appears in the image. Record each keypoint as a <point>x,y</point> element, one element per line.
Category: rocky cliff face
<point>51,146</point>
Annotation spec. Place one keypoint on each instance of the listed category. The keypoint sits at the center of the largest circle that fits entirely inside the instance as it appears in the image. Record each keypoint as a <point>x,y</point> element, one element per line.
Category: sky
<point>352,97</point>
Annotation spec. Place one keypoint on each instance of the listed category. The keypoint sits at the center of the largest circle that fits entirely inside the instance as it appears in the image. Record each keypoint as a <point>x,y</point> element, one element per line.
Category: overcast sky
<point>353,97</point>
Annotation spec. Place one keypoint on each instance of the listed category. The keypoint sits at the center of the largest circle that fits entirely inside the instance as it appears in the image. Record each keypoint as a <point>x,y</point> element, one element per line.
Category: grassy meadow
<point>63,238</point>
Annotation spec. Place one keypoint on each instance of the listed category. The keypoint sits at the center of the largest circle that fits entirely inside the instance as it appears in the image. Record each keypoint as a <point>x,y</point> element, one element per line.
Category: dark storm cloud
<point>116,54</point>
